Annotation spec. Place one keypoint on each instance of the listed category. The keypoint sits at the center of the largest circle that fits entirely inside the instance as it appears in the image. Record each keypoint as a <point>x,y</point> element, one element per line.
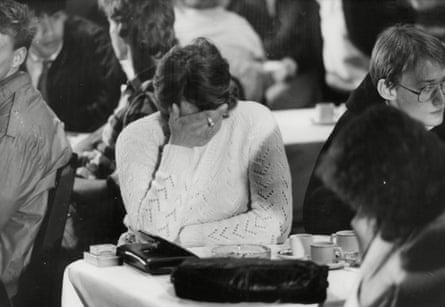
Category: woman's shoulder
<point>255,114</point>
<point>246,106</point>
<point>144,129</point>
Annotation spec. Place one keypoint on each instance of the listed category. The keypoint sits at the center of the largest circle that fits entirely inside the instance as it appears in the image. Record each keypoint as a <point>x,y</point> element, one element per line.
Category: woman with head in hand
<point>206,169</point>
<point>395,183</point>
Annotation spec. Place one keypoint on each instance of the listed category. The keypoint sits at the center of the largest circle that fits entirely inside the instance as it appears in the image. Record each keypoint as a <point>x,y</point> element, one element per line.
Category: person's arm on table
<point>90,142</point>
<point>152,190</point>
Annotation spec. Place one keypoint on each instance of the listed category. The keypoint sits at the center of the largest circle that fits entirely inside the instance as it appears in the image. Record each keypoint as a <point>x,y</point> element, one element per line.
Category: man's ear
<point>19,57</point>
<point>387,93</point>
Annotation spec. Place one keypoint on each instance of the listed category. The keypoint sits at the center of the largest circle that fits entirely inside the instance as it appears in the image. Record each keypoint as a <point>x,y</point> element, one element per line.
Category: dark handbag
<point>156,256</point>
<point>251,280</point>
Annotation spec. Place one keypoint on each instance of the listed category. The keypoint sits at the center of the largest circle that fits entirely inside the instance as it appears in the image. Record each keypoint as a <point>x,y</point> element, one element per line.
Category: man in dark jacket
<point>407,71</point>
<point>72,63</point>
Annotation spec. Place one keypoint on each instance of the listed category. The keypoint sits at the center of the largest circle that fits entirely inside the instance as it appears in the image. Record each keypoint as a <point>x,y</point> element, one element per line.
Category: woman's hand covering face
<point>195,129</point>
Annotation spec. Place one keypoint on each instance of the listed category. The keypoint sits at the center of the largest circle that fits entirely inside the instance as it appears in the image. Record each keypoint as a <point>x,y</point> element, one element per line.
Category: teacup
<point>326,253</point>
<point>300,245</point>
<point>347,240</point>
<point>325,112</point>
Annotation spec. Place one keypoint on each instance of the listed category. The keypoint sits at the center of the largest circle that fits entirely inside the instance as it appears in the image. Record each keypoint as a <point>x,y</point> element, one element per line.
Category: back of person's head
<point>401,48</point>
<point>197,73</point>
<point>16,22</point>
<point>49,7</point>
<point>387,166</point>
<point>145,25</point>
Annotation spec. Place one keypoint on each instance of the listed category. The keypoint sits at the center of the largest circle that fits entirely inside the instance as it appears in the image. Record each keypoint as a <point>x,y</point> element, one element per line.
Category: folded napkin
<point>251,280</point>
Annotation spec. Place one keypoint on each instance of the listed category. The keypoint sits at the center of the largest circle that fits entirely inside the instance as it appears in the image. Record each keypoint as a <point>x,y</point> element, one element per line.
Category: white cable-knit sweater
<point>235,189</point>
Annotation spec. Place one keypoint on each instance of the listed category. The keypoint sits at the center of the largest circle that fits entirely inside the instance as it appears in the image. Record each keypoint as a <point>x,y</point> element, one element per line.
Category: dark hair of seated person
<point>197,73</point>
<point>387,166</point>
<point>16,22</point>
<point>145,25</point>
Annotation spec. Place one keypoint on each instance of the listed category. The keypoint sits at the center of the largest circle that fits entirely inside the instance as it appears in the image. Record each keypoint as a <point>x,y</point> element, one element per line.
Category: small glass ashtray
<point>242,251</point>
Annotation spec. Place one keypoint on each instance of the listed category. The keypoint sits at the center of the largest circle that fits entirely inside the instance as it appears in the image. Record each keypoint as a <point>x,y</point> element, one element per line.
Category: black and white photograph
<point>168,153</point>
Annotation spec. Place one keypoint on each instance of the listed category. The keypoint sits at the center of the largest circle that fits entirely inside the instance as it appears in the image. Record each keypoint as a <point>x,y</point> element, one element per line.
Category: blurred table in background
<point>297,126</point>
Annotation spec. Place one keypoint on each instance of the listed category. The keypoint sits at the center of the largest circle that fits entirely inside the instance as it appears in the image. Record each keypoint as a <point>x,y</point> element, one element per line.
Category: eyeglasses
<point>426,93</point>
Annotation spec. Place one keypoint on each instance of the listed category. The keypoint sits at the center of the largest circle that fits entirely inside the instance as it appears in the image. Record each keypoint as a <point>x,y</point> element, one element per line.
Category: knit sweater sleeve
<point>269,215</point>
<point>152,178</point>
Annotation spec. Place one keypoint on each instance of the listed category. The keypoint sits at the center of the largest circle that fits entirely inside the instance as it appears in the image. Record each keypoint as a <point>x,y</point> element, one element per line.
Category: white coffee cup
<point>325,112</point>
<point>326,253</point>
<point>300,244</point>
<point>347,240</point>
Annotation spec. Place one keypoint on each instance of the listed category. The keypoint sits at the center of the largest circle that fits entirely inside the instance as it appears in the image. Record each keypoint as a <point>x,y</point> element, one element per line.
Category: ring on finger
<point>210,122</point>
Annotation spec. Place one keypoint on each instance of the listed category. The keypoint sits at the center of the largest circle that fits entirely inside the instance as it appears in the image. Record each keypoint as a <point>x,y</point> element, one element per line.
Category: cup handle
<point>338,251</point>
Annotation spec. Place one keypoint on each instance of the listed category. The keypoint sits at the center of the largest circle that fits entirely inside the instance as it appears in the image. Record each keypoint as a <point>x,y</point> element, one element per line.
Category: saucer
<point>287,254</point>
<point>336,265</point>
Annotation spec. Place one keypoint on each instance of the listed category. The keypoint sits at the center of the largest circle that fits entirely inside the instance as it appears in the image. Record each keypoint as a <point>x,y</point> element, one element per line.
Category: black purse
<point>156,256</point>
<point>251,280</point>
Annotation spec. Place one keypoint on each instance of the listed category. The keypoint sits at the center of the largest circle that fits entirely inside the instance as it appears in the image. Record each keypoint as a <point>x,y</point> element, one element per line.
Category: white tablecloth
<point>297,126</point>
<point>126,286</point>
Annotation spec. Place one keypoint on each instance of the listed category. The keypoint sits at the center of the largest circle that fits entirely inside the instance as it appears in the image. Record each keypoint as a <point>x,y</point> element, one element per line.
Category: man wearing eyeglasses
<point>407,71</point>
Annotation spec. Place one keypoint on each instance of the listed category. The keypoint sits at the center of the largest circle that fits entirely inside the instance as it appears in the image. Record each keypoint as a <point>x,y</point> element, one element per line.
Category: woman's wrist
<point>177,141</point>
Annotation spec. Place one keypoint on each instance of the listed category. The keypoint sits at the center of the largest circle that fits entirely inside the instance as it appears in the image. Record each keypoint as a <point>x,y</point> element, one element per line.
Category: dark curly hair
<point>16,21</point>
<point>386,165</point>
<point>147,25</point>
<point>197,73</point>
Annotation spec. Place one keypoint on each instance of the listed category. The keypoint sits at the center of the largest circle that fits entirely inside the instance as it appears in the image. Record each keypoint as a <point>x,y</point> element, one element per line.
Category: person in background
<point>407,72</point>
<point>87,8</point>
<point>33,146</point>
<point>349,30</point>
<point>205,169</point>
<point>429,16</point>
<point>290,31</point>
<point>141,32</point>
<point>72,63</point>
<point>394,183</point>
<point>237,41</point>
